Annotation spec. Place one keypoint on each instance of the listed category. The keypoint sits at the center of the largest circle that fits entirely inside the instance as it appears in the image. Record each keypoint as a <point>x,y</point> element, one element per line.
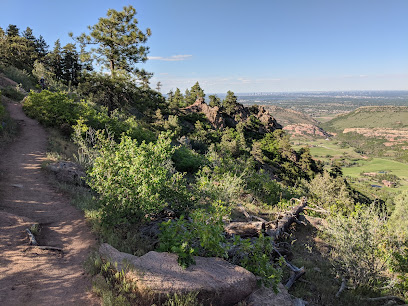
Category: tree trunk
<point>284,223</point>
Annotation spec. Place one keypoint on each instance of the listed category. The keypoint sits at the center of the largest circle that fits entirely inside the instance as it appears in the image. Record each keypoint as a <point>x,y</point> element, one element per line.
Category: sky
<point>248,46</point>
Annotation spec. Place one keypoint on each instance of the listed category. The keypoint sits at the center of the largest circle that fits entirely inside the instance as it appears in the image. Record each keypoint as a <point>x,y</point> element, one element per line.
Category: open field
<point>327,150</point>
<point>380,165</point>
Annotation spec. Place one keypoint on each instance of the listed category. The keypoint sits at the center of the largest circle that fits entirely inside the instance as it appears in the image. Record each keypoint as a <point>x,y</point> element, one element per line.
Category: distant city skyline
<point>243,46</point>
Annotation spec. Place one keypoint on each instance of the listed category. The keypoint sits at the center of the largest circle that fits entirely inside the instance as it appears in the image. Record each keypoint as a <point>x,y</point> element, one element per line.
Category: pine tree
<point>230,102</point>
<point>178,100</point>
<point>41,47</point>
<point>193,94</point>
<point>12,30</point>
<point>158,86</point>
<point>70,65</point>
<point>214,101</point>
<point>54,60</point>
<point>120,43</point>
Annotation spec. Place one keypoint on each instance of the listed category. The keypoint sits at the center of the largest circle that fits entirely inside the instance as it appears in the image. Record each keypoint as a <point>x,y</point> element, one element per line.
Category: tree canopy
<point>118,40</point>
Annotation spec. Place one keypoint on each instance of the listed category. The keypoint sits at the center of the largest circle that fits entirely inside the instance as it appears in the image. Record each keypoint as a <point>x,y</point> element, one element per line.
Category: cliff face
<point>219,119</point>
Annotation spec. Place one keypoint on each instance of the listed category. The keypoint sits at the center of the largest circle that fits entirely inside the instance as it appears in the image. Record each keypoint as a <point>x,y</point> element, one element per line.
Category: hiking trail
<point>28,275</point>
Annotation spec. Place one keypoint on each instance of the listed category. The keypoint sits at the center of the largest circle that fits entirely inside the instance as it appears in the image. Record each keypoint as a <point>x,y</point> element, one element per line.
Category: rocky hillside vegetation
<point>168,176</point>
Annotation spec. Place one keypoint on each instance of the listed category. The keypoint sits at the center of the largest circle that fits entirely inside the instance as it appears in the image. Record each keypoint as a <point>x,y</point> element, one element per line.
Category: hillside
<point>395,117</point>
<point>287,116</point>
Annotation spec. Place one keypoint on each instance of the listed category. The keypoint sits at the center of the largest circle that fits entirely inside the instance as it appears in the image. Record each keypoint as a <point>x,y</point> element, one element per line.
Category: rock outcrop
<point>219,119</point>
<point>217,281</point>
<point>68,172</point>
<point>303,129</point>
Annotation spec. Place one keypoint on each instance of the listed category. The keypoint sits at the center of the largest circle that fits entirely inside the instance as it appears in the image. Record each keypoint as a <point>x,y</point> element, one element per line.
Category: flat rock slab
<point>217,281</point>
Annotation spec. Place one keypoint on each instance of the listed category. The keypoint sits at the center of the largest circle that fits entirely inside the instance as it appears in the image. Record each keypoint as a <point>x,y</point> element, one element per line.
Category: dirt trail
<point>29,276</point>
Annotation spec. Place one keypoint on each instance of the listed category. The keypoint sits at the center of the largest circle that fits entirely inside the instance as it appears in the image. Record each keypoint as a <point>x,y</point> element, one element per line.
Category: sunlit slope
<point>394,117</point>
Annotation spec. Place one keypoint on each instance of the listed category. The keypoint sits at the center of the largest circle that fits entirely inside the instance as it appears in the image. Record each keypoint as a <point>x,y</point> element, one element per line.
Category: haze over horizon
<point>246,47</point>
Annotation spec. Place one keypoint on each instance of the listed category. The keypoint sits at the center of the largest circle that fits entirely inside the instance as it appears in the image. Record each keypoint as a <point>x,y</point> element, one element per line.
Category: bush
<point>57,110</point>
<point>12,93</point>
<point>399,264</point>
<point>257,257</point>
<point>136,181</point>
<point>19,76</point>
<point>187,160</point>
<point>399,217</point>
<point>331,193</point>
<point>203,236</point>
<point>360,242</point>
<point>225,186</point>
<point>51,108</point>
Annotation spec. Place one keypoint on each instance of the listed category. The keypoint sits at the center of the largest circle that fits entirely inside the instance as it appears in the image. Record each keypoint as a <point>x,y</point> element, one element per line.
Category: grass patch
<point>380,165</point>
<point>371,117</point>
<point>8,126</point>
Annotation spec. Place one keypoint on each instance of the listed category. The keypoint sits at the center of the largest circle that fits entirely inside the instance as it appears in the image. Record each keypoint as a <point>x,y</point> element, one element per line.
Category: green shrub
<point>257,257</point>
<point>58,110</point>
<point>399,264</point>
<point>399,217</point>
<point>19,76</point>
<point>225,186</point>
<point>360,244</point>
<point>263,187</point>
<point>202,235</point>
<point>51,108</point>
<point>12,93</point>
<point>135,181</point>
<point>331,193</point>
<point>187,160</point>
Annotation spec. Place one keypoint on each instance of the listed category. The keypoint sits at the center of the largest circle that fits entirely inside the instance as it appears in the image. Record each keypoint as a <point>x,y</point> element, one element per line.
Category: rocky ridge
<point>219,119</point>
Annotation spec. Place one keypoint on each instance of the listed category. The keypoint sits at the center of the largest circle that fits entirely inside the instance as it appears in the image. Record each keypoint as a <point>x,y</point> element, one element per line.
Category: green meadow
<point>380,165</point>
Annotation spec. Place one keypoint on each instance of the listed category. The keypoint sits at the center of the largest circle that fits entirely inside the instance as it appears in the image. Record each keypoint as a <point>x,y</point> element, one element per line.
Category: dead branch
<point>287,220</point>
<point>294,276</point>
<point>50,248</point>
<point>33,241</point>
<point>342,287</point>
<point>242,209</point>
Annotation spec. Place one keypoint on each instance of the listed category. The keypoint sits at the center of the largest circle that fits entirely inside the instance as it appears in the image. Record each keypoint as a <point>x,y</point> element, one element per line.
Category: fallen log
<point>245,229</point>
<point>284,223</point>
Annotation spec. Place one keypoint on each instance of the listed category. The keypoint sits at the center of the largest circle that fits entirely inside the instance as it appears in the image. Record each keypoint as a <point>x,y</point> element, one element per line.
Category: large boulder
<point>217,281</point>
<point>68,172</point>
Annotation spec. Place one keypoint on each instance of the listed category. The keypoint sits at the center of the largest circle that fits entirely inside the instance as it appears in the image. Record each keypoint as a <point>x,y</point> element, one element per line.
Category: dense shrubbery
<point>12,93</point>
<point>56,109</point>
<point>360,242</point>
<point>137,181</point>
<point>187,160</point>
<point>22,77</point>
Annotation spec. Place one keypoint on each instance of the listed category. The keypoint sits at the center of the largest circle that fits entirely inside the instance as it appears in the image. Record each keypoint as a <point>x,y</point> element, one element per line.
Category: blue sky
<point>248,46</point>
